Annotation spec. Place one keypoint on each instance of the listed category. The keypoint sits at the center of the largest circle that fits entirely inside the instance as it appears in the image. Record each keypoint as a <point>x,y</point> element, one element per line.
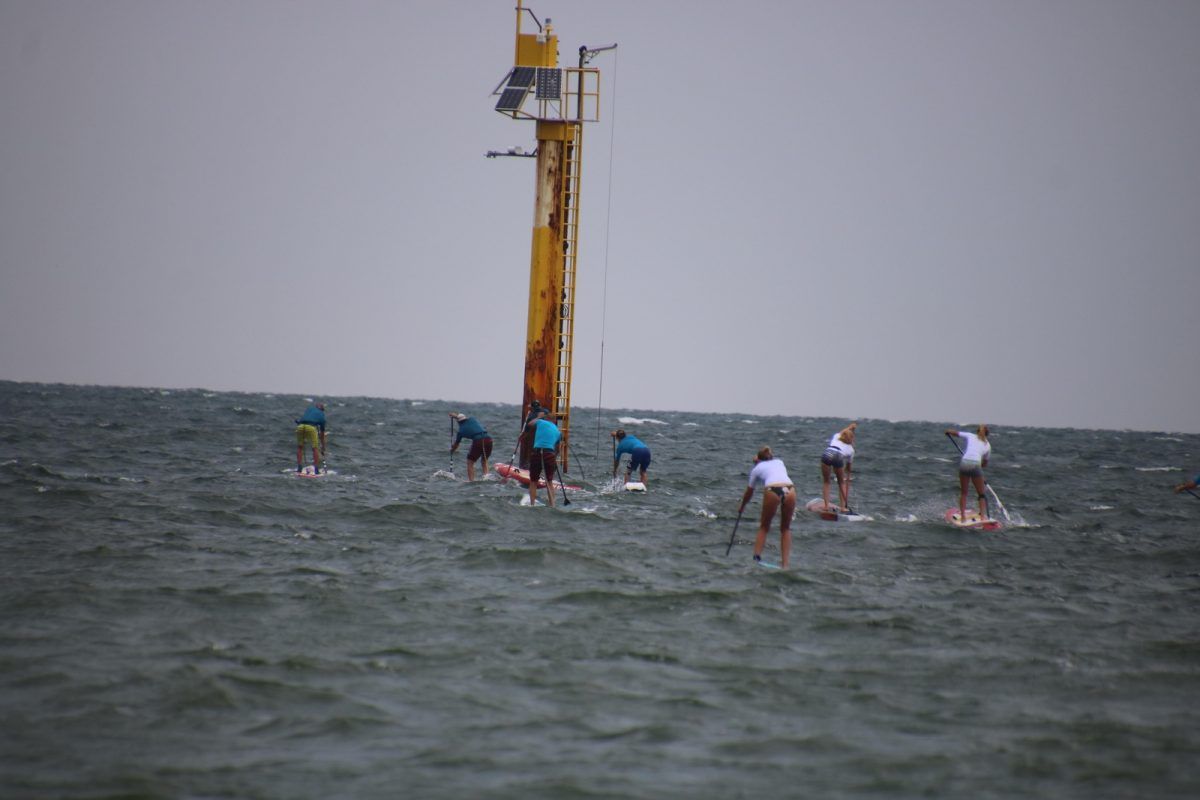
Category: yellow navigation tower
<point>559,101</point>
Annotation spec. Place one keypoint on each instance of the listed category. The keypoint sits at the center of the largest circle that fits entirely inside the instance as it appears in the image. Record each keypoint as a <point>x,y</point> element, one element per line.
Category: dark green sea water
<point>184,618</point>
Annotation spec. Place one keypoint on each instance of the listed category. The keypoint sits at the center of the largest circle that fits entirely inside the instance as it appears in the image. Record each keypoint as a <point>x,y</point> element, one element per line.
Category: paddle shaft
<point>733,535</point>
<point>513,455</point>
<point>561,485</point>
<point>452,445</point>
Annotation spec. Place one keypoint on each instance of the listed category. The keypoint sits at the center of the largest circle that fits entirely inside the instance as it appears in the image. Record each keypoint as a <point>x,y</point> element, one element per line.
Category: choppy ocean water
<point>182,617</point>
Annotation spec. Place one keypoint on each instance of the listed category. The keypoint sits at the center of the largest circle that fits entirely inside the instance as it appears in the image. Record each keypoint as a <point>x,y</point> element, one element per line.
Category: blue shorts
<point>833,458</point>
<point>639,459</point>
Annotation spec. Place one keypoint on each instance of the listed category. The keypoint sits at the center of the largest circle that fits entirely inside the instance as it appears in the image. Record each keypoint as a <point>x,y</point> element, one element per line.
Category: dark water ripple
<point>185,618</point>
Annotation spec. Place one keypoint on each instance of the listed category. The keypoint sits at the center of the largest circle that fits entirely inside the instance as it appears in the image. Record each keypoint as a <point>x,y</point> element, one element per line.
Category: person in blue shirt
<point>639,454</point>
<point>543,456</point>
<point>310,430</point>
<point>481,443</point>
<point>524,440</point>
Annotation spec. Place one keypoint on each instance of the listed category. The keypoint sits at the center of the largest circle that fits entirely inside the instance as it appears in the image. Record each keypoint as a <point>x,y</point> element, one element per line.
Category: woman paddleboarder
<point>838,459</point>
<point>780,495</point>
<point>970,467</point>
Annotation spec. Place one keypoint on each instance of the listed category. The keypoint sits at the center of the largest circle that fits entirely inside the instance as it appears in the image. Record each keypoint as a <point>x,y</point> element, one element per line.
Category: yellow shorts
<point>307,434</point>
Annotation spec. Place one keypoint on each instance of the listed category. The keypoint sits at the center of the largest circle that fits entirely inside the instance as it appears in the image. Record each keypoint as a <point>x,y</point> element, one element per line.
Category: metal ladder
<point>566,319</point>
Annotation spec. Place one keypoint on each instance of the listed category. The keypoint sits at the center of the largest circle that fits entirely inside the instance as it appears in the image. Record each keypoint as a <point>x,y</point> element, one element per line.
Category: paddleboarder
<point>524,442</point>
<point>970,468</point>
<point>310,430</point>
<point>1189,485</point>
<point>481,443</point>
<point>545,437</point>
<point>837,459</point>
<point>779,495</point>
<point>639,454</point>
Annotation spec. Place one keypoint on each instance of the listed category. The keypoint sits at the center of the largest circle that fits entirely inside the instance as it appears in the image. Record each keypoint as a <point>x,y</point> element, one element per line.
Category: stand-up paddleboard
<point>635,486</point>
<point>817,506</point>
<point>310,472</point>
<point>972,521</point>
<point>522,477</point>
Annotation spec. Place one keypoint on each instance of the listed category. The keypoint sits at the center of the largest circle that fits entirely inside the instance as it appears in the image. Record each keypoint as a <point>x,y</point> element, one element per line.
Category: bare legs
<point>533,484</point>
<point>300,459</point>
<point>963,480</point>
<point>843,487</point>
<point>771,503</point>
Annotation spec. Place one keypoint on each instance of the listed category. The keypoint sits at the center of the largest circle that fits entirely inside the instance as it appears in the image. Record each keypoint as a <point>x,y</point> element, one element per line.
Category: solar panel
<point>512,99</point>
<point>549,83</point>
<point>522,77</point>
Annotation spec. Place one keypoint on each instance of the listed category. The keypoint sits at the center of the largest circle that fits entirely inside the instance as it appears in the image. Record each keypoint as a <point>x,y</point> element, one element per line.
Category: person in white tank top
<point>779,495</point>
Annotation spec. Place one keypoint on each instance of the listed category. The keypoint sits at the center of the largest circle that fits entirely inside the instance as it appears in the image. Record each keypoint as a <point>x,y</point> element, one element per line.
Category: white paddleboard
<point>817,506</point>
<point>309,472</point>
<point>635,486</point>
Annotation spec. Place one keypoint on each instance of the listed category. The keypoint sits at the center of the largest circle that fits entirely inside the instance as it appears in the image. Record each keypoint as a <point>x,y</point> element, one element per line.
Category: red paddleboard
<point>522,476</point>
<point>972,521</point>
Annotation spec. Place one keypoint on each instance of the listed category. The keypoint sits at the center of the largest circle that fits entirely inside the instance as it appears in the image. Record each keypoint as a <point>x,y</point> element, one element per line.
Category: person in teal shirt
<point>639,454</point>
<point>543,458</point>
<point>310,430</point>
<point>481,443</point>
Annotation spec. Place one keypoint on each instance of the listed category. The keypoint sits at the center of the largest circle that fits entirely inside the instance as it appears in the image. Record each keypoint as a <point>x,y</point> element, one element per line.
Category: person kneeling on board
<point>970,467</point>
<point>543,456</point>
<point>312,420</point>
<point>481,443</point>
<point>639,454</point>
<point>779,495</point>
<point>838,458</point>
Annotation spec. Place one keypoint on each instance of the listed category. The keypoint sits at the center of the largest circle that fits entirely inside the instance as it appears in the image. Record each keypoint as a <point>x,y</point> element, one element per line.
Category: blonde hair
<point>764,455</point>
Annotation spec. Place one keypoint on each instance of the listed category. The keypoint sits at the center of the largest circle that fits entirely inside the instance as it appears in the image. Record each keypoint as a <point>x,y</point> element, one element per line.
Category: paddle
<point>997,497</point>
<point>849,485</point>
<point>733,535</point>
<point>1193,494</point>
<point>566,500</point>
<point>452,445</point>
<point>516,447</point>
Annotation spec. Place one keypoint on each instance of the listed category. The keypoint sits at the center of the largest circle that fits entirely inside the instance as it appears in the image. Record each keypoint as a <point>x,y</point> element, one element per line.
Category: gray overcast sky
<point>936,209</point>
